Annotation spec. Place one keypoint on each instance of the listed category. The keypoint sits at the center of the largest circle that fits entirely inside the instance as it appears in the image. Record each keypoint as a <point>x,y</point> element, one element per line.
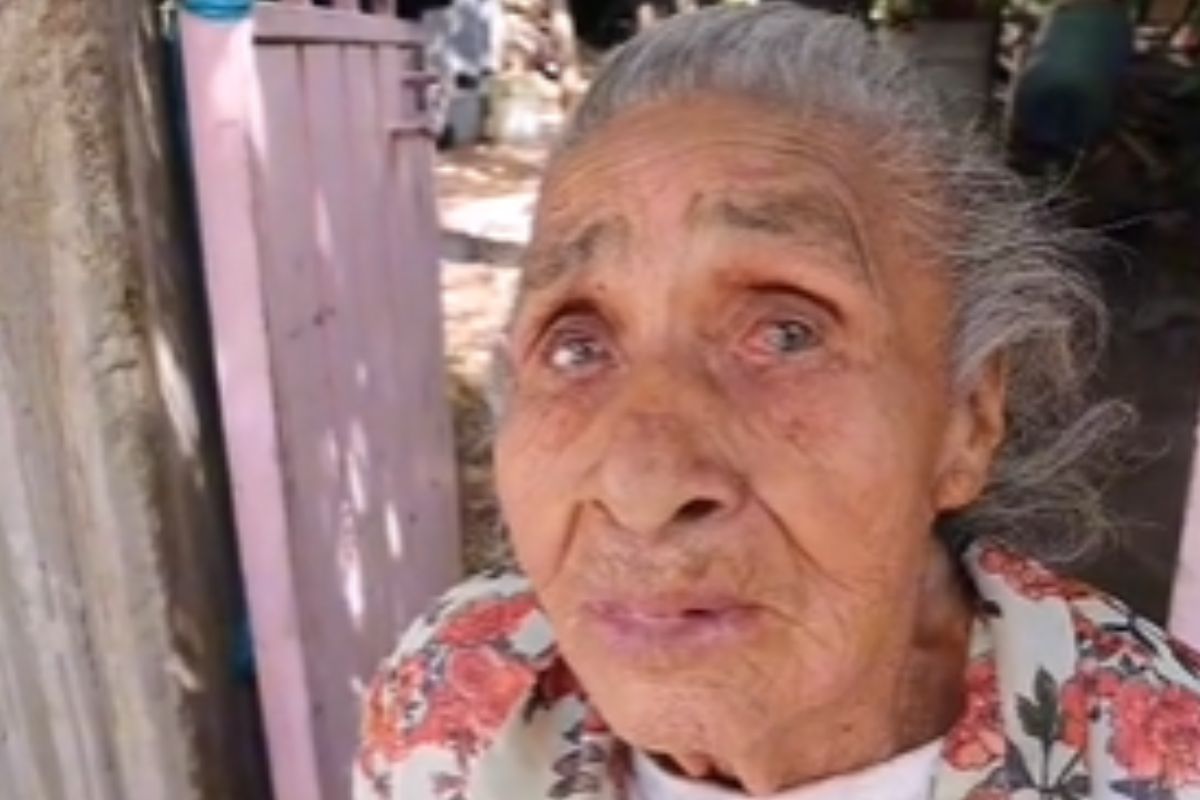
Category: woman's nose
<point>657,475</point>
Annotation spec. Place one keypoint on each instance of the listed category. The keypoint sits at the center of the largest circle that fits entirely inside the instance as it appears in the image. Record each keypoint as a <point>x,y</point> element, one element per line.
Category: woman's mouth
<point>671,625</point>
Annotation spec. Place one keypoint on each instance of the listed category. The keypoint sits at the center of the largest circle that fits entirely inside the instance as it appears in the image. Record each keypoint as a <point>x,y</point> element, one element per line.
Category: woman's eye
<point>574,353</point>
<point>785,337</point>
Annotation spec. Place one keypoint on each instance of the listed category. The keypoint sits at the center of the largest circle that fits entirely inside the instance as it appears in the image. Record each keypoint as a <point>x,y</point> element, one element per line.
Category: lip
<point>664,625</point>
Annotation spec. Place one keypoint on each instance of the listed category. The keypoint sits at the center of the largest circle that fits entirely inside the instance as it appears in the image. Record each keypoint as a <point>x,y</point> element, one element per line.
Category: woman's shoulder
<point>460,672</point>
<point>493,608</point>
<point>1109,637</point>
<point>1072,693</point>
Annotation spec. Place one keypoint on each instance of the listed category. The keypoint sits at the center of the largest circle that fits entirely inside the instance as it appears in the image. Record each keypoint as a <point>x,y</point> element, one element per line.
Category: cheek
<point>539,457</point>
<point>850,470</point>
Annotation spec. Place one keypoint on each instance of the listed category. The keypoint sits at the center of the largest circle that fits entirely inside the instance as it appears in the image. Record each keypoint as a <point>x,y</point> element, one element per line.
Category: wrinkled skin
<point>730,431</point>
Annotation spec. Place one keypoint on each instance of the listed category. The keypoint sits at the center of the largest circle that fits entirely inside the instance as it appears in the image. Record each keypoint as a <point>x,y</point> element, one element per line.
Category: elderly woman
<point>788,399</point>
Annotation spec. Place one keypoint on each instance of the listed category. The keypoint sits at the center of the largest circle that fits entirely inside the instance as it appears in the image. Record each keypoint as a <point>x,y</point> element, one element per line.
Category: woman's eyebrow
<point>547,262</point>
<point>804,218</point>
<point>807,219</point>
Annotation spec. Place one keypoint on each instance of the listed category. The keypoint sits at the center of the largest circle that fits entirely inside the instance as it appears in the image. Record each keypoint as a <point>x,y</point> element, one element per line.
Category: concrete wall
<point>118,584</point>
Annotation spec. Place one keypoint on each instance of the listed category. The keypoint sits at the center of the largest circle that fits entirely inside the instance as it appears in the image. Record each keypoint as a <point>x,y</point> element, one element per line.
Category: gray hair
<point>1020,293</point>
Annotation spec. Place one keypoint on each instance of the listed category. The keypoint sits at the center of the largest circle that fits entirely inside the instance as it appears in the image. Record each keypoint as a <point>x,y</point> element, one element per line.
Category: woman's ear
<point>973,435</point>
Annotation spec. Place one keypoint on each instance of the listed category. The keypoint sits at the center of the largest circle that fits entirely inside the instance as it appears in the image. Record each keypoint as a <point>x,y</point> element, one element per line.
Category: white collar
<point>903,777</point>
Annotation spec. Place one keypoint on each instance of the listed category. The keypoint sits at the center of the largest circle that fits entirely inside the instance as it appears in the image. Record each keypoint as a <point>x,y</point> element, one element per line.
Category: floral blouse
<point>1069,695</point>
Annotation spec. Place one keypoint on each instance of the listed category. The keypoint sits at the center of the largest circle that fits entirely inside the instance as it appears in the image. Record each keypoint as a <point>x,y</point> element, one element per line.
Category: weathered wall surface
<point>118,584</point>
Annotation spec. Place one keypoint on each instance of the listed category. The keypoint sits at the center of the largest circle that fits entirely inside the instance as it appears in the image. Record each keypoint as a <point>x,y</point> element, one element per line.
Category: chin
<point>670,721</point>
<point>691,709</point>
<point>737,695</point>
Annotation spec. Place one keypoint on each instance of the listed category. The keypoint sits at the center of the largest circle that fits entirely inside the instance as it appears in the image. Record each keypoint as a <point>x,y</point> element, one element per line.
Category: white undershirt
<point>906,777</point>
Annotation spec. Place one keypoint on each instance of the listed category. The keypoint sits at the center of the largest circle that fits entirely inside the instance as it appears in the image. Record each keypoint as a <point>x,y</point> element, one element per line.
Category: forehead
<point>751,132</point>
<point>715,162</point>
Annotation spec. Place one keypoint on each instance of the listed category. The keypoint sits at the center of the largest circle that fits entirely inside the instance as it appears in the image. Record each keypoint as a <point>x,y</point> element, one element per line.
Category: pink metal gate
<point>313,159</point>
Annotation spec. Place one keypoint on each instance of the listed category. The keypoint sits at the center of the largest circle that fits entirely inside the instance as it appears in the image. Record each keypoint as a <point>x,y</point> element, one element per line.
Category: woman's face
<point>730,425</point>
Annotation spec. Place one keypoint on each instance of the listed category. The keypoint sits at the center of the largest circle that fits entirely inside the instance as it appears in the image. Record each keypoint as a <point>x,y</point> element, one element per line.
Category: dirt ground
<point>487,195</point>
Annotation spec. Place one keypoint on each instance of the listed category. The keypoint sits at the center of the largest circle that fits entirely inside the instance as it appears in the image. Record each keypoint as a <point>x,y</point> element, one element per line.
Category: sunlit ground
<point>486,194</point>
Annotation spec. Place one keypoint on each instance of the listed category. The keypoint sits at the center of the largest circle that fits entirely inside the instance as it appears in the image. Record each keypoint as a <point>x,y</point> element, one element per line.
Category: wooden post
<point>223,99</point>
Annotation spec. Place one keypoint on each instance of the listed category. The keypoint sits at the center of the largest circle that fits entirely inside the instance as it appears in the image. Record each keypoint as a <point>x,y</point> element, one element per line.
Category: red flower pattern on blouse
<point>977,739</point>
<point>1075,702</point>
<point>456,691</point>
<point>1029,578</point>
<point>1157,733</point>
<point>1099,644</point>
<point>491,622</point>
<point>1131,699</point>
<point>487,685</point>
